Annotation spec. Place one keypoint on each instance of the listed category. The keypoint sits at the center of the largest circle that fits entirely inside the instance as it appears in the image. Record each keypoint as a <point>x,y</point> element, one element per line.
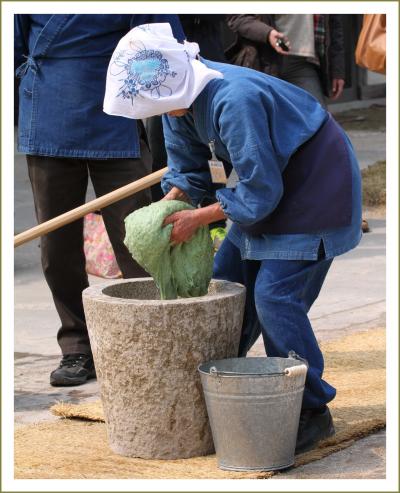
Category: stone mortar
<point>146,352</point>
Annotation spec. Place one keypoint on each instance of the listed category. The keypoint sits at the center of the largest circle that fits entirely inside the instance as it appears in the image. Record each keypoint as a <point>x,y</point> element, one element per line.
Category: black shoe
<point>314,425</point>
<point>74,369</point>
<point>365,226</point>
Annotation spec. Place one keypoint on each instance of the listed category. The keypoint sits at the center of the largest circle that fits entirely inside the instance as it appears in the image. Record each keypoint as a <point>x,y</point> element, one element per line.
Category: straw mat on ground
<point>78,449</point>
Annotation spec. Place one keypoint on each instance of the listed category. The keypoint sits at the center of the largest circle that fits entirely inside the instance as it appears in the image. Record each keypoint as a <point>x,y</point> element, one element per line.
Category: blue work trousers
<point>279,295</point>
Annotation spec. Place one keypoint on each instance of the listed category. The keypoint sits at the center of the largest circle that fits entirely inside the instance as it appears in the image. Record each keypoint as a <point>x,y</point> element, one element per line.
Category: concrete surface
<point>372,152</point>
<point>353,298</point>
<point>370,145</point>
<point>354,105</point>
<point>363,460</point>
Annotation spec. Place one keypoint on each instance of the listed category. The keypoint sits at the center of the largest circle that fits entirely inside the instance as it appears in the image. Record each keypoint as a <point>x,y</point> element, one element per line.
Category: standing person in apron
<point>62,62</point>
<point>296,205</point>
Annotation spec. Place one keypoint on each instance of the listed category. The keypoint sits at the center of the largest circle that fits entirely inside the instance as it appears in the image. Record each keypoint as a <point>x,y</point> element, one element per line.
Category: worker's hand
<point>274,37</point>
<point>337,88</point>
<point>176,194</point>
<point>185,224</point>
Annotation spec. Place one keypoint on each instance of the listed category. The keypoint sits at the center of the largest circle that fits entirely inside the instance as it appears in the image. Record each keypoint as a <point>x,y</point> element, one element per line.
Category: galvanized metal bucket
<point>254,405</point>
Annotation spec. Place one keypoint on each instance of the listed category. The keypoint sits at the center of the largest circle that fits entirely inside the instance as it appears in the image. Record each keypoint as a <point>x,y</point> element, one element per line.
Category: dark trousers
<point>59,185</point>
<point>155,137</point>
<point>298,71</point>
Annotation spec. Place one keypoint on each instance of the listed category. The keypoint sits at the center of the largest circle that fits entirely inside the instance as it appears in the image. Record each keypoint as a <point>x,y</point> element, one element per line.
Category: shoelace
<point>71,360</point>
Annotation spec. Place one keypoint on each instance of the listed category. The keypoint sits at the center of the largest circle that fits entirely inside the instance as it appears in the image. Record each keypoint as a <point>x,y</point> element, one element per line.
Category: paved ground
<point>353,298</point>
<point>369,144</point>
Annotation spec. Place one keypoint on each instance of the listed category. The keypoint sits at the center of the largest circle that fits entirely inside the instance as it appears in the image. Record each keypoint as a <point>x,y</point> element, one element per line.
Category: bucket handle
<point>293,371</point>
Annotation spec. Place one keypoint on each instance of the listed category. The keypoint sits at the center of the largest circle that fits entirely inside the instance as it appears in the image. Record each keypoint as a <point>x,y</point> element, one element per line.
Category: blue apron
<point>317,183</point>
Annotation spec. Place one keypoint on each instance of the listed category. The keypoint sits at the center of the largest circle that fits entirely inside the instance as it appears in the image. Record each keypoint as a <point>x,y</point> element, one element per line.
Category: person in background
<point>205,30</point>
<point>286,229</point>
<point>62,62</point>
<point>312,56</point>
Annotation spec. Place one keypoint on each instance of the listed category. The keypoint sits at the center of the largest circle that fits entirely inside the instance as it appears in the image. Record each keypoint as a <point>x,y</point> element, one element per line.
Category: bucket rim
<point>221,374</point>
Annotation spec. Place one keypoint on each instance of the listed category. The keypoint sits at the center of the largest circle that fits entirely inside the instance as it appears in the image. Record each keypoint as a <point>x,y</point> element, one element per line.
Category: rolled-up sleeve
<point>187,160</point>
<point>259,188</point>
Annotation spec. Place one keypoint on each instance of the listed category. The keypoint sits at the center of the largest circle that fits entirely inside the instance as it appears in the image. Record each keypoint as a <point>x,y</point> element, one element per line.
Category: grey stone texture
<point>146,353</point>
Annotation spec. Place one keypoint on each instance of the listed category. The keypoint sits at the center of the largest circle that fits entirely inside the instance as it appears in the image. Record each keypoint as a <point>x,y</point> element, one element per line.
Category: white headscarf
<point>150,73</point>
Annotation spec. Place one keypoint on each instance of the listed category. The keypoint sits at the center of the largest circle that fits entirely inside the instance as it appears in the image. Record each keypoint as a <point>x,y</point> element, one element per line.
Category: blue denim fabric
<point>305,246</point>
<point>256,122</point>
<point>62,61</point>
<point>279,294</point>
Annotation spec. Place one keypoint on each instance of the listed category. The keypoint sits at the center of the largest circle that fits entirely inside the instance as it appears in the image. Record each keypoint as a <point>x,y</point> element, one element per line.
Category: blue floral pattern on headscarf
<point>143,70</point>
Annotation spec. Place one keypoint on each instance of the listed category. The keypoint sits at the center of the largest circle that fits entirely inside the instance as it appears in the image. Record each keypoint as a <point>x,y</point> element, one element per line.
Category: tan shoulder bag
<point>371,45</point>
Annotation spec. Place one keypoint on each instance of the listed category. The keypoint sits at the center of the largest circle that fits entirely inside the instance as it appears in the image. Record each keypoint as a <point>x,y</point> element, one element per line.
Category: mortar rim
<point>95,293</point>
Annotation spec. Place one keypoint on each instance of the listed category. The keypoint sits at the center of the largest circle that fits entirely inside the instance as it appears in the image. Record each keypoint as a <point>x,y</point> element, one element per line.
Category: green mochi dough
<point>178,270</point>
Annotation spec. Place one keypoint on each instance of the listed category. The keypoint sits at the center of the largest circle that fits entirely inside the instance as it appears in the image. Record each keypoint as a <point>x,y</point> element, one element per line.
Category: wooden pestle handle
<point>94,205</point>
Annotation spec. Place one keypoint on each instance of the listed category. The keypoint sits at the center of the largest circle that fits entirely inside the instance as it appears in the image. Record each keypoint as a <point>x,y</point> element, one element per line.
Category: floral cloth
<point>100,258</point>
<point>151,73</point>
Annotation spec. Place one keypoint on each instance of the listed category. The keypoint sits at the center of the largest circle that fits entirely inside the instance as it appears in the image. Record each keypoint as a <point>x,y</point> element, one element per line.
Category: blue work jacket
<point>299,181</point>
<point>62,61</point>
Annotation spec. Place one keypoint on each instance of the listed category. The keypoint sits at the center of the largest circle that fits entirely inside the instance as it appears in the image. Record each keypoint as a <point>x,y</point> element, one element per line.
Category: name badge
<point>217,169</point>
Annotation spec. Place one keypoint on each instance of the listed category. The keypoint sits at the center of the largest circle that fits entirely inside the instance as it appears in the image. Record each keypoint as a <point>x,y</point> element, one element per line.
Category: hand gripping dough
<point>181,270</point>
